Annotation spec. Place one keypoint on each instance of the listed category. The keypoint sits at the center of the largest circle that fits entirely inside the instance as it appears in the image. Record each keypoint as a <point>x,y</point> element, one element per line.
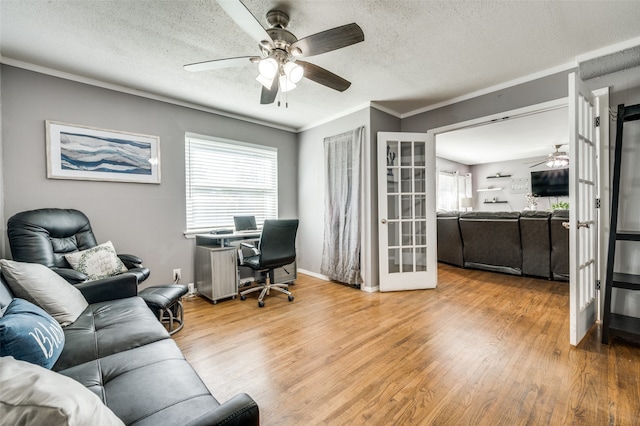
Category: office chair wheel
<point>261,304</point>
<point>243,297</point>
<point>290,298</point>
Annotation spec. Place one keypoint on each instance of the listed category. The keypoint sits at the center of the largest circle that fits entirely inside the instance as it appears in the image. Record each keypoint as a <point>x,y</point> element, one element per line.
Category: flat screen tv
<point>550,183</point>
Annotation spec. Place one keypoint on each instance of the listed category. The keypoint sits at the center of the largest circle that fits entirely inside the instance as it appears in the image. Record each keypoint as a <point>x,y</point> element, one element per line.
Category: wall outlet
<point>177,274</point>
<point>192,289</point>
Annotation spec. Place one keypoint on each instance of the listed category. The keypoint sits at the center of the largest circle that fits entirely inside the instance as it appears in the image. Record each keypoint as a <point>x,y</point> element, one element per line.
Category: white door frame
<point>603,155</point>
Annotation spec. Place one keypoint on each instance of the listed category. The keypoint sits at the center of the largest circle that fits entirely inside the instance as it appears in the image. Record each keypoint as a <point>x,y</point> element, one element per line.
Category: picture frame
<point>80,152</point>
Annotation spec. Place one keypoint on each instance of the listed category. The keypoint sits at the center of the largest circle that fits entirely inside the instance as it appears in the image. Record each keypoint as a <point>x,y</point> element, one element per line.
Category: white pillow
<point>43,287</point>
<point>97,262</point>
<point>33,395</point>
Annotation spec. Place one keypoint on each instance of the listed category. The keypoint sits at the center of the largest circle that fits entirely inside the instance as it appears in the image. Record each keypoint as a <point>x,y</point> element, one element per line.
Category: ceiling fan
<point>556,159</point>
<point>279,64</point>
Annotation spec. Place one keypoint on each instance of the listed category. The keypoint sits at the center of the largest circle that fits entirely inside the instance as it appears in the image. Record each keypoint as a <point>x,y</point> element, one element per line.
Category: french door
<point>584,140</point>
<point>407,211</point>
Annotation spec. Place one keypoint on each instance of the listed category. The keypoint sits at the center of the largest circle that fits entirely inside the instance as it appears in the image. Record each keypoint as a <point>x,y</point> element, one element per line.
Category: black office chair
<point>277,248</point>
<point>45,235</point>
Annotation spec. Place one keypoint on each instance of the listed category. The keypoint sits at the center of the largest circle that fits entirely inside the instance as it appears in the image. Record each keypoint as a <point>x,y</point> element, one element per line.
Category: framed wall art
<point>88,153</point>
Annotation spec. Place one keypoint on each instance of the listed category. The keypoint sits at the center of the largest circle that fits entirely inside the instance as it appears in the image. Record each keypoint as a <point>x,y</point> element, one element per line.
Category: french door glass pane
<point>419,180</point>
<point>407,259</point>
<point>394,260</point>
<point>405,177</point>
<point>421,258</point>
<point>419,154</point>
<point>393,234</point>
<point>407,233</point>
<point>407,207</point>
<point>421,232</point>
<point>405,158</point>
<point>392,207</point>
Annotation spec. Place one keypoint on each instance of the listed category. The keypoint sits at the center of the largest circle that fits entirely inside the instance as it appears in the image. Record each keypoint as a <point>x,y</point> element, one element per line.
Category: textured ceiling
<point>415,53</point>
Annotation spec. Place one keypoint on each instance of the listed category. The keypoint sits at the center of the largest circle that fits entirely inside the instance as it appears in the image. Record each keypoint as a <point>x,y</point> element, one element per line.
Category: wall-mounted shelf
<point>498,176</point>
<point>495,202</point>
<point>488,189</point>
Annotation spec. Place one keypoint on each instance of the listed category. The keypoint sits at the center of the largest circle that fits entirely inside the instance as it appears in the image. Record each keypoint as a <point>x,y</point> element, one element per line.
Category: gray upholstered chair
<point>45,235</point>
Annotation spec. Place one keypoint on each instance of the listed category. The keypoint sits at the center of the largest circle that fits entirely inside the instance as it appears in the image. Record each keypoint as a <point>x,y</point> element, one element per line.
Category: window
<point>451,188</point>
<point>227,178</point>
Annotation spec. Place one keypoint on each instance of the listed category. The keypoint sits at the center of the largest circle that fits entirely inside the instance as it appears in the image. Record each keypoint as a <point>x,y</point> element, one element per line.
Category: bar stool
<point>164,301</point>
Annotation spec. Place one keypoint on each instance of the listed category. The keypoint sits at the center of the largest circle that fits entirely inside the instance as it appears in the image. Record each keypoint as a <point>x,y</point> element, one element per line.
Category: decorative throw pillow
<point>43,287</point>
<point>32,395</point>
<point>97,262</point>
<point>29,334</point>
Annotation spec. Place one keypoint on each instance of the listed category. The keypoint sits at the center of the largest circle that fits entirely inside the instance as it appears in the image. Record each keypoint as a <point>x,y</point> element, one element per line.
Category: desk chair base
<point>266,288</point>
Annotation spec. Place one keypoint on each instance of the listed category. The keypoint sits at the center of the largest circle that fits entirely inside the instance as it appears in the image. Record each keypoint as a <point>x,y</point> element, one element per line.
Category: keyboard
<point>248,231</point>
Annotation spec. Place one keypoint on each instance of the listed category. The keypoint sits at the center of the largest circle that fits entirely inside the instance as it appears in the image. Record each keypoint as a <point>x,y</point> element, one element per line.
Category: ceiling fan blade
<point>329,40</point>
<point>245,20</point>
<point>269,95</point>
<point>535,165</point>
<point>220,63</point>
<point>324,77</point>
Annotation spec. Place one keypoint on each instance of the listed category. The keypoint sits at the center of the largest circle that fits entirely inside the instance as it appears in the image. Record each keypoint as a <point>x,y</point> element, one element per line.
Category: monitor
<point>245,223</point>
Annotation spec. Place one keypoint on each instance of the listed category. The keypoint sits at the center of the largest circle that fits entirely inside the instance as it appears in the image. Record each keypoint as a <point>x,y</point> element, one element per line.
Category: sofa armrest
<point>116,287</point>
<point>71,275</point>
<point>240,410</point>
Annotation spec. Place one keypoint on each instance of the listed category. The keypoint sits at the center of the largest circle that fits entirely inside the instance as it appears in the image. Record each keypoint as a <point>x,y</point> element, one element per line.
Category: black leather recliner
<point>559,245</point>
<point>45,235</point>
<point>492,241</point>
<point>449,239</point>
<point>536,243</point>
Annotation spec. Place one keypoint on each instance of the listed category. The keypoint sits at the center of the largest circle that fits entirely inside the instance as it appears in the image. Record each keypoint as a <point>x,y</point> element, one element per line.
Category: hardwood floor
<point>481,349</point>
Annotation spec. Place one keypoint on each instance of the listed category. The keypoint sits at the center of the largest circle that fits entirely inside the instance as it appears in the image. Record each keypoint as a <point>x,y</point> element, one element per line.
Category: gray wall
<point>523,95</point>
<point>143,219</point>
<point>311,184</point>
<point>518,169</point>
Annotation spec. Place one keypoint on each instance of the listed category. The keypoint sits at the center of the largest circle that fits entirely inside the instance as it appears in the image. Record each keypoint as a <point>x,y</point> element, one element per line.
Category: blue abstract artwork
<point>100,154</point>
<point>88,153</point>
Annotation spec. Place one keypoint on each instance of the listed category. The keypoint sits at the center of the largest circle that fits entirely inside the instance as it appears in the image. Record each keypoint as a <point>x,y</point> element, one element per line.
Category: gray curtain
<point>342,204</point>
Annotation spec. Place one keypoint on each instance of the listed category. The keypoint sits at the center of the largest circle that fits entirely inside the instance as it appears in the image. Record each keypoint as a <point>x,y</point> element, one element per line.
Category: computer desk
<point>216,264</point>
<point>224,240</point>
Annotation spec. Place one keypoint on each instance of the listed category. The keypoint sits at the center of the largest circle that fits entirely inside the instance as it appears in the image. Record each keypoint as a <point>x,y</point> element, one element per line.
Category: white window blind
<point>225,179</point>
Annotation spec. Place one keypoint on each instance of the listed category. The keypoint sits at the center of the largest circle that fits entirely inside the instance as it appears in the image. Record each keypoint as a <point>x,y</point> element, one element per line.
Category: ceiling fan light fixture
<point>266,82</point>
<point>557,163</point>
<point>268,68</point>
<point>294,72</point>
<point>286,84</point>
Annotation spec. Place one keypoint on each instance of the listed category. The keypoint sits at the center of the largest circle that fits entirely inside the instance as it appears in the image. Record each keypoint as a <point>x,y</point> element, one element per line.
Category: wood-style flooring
<point>481,349</point>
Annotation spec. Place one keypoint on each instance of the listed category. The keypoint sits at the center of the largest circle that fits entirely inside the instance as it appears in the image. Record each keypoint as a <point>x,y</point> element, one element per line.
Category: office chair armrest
<point>71,275</point>
<point>130,259</point>
<point>240,410</point>
<point>251,247</point>
<point>111,288</point>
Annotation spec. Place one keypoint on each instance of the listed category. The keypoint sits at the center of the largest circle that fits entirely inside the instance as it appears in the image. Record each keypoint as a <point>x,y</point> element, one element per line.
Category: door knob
<point>383,221</point>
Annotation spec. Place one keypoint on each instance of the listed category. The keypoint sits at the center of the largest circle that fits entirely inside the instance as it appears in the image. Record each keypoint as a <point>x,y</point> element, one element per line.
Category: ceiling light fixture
<point>268,68</point>
<point>557,163</point>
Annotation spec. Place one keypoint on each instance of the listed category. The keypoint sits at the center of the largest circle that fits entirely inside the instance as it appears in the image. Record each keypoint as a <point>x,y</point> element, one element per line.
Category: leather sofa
<point>529,243</point>
<point>119,350</point>
<point>449,239</point>
<point>491,241</point>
